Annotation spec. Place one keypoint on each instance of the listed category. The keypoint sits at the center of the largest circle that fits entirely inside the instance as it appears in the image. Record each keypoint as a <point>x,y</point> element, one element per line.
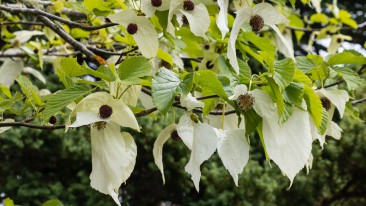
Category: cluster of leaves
<point>171,60</point>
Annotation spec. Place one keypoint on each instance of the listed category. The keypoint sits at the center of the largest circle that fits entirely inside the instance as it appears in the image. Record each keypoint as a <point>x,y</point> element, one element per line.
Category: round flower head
<point>260,12</point>
<point>256,22</point>
<point>156,3</point>
<point>132,28</point>
<point>188,5</point>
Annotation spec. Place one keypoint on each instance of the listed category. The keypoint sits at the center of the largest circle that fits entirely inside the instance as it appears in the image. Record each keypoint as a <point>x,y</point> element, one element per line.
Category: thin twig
<point>33,126</point>
<point>67,37</point>
<point>13,9</point>
<point>124,54</point>
<point>359,26</point>
<point>21,22</point>
<point>359,101</point>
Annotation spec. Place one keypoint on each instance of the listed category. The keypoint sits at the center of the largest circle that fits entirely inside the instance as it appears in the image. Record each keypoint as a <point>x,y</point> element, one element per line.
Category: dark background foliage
<point>39,165</point>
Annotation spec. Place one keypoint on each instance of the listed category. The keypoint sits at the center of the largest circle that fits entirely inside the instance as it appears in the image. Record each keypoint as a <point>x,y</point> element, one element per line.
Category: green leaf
<point>294,93</point>
<point>245,72</point>
<point>345,18</point>
<point>187,84</point>
<point>5,90</point>
<point>319,73</point>
<point>296,21</point>
<point>133,69</point>
<point>164,56</point>
<point>267,60</point>
<point>351,77</point>
<point>319,18</point>
<point>225,68</point>
<point>353,111</point>
<point>7,103</point>
<point>99,7</point>
<point>30,91</point>
<point>293,2</point>
<point>273,91</point>
<point>302,78</point>
<point>104,73</point>
<point>53,203</point>
<point>208,79</point>
<point>346,57</point>
<point>61,99</point>
<point>8,202</point>
<point>314,105</point>
<point>304,64</point>
<point>211,103</point>
<point>262,43</point>
<point>287,112</point>
<point>260,133</point>
<point>70,67</point>
<point>324,121</point>
<point>284,71</point>
<point>164,85</point>
<point>252,120</point>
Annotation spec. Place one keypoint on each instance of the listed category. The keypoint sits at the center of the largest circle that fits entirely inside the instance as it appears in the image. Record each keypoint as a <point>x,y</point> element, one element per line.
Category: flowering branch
<point>139,114</point>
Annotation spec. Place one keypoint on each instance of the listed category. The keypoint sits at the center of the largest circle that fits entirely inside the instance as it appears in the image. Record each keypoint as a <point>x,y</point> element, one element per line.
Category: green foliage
<point>164,85</point>
<point>61,99</point>
<point>132,69</point>
<point>213,56</point>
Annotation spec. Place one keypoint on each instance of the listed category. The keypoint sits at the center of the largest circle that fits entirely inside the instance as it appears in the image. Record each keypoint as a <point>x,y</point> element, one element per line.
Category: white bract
<point>233,150</point>
<point>221,20</point>
<point>24,36</point>
<point>270,16</point>
<point>9,70</point>
<point>317,6</point>
<point>113,159</point>
<point>146,37</point>
<point>190,102</point>
<point>338,99</point>
<point>198,18</point>
<point>289,144</point>
<point>149,9</point>
<point>203,140</point>
<point>336,41</point>
<point>113,153</point>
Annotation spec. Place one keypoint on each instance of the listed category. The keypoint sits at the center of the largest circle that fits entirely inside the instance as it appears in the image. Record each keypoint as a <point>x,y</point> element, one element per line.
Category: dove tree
<point>227,67</point>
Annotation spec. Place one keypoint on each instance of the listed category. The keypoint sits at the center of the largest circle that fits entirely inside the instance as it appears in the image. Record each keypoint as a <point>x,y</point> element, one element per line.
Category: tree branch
<point>67,37</point>
<point>21,22</point>
<point>14,9</point>
<point>359,101</point>
<point>359,26</point>
<point>33,126</point>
